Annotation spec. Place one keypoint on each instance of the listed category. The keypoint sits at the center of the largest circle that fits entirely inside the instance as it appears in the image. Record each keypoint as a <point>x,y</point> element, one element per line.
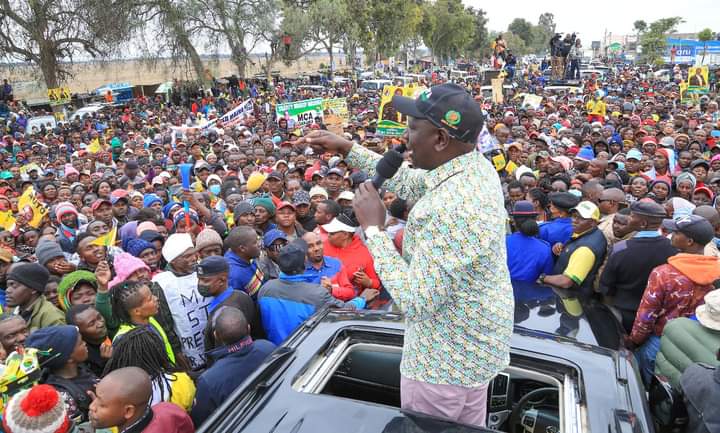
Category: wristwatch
<point>372,231</point>
<point>541,279</point>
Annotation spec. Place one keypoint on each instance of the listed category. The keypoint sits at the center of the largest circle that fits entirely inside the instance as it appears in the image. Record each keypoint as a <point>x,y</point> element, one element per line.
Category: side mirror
<point>666,405</point>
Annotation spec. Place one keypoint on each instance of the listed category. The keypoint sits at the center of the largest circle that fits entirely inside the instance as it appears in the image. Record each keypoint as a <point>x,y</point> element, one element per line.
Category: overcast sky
<point>591,19</point>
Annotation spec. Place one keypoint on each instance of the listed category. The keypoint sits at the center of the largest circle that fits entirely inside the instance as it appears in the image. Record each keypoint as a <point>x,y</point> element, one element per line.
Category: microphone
<point>388,166</point>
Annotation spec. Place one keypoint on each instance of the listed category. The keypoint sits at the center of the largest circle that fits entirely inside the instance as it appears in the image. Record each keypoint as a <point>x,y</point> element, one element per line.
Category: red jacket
<point>674,290</point>
<point>354,257</point>
<point>169,418</point>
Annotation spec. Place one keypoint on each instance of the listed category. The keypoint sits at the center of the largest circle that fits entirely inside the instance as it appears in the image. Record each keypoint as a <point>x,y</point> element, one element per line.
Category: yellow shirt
<point>596,107</point>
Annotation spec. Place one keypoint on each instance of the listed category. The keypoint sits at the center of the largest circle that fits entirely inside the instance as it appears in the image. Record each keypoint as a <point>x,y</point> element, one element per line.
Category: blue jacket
<point>287,302</point>
<point>557,230</point>
<point>233,364</point>
<point>528,257</point>
<point>241,272</point>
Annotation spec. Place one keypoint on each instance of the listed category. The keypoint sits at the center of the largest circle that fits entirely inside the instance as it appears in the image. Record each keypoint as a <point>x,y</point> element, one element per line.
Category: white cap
<point>318,190</point>
<point>214,177</point>
<point>334,227</point>
<point>176,245</point>
<point>346,195</point>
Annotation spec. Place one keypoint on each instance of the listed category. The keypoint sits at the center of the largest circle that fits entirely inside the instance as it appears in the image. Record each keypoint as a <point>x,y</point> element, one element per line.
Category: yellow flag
<point>31,208</point>
<point>106,240</point>
<point>94,146</point>
<point>7,220</point>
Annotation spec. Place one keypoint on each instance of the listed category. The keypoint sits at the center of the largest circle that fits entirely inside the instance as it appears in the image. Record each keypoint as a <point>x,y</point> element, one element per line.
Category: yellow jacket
<point>596,107</point>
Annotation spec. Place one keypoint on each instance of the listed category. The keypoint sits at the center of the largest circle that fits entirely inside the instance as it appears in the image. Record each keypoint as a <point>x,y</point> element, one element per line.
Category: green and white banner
<point>301,112</point>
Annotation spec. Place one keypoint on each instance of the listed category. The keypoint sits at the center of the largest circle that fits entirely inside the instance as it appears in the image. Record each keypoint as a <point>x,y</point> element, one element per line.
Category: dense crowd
<point>148,302</point>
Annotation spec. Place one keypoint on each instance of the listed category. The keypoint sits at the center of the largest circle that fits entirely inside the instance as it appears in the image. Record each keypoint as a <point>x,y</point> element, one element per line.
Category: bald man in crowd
<point>609,203</point>
<point>122,400</point>
<point>237,357</point>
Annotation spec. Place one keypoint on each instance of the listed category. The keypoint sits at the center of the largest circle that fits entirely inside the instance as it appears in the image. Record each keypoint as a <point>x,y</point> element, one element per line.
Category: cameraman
<point>556,58</point>
<point>565,46</point>
<point>575,55</point>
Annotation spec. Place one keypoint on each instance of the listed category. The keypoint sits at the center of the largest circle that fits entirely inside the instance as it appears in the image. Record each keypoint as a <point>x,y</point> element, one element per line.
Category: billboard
<point>690,52</point>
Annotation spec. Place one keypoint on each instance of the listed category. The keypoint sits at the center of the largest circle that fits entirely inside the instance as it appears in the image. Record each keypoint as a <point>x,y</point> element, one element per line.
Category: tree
<point>385,25</point>
<point>653,39</point>
<point>52,33</point>
<point>704,36</point>
<point>480,44</point>
<point>165,27</point>
<point>447,28</point>
<point>238,23</point>
<point>542,32</point>
<point>639,26</point>
<point>293,24</point>
<point>547,22</point>
<point>515,43</point>
<point>522,28</point>
<point>328,19</point>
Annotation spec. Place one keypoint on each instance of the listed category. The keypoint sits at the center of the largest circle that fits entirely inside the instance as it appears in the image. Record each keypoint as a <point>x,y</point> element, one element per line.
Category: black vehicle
<point>339,372</point>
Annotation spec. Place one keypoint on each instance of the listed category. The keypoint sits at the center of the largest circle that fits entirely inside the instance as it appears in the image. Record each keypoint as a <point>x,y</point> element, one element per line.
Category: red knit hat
<point>38,409</point>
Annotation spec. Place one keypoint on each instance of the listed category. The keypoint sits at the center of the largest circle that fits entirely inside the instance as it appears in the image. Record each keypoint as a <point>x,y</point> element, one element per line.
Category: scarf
<point>68,232</point>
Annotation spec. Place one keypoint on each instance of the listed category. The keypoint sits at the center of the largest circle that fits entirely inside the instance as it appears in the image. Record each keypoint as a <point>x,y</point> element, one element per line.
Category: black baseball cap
<point>695,227</point>
<point>446,106</point>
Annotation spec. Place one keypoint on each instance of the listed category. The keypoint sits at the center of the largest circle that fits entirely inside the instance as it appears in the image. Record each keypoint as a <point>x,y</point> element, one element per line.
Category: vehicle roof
<point>277,407</point>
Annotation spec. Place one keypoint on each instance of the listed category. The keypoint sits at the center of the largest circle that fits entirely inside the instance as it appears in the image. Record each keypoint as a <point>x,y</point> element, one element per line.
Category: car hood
<point>541,308</point>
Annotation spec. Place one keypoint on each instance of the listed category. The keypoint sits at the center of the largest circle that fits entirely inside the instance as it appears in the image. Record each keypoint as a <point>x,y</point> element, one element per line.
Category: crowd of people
<point>149,302</point>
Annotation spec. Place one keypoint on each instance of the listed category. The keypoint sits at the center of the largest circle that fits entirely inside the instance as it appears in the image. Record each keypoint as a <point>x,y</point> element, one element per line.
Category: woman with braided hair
<point>134,305</point>
<point>142,347</point>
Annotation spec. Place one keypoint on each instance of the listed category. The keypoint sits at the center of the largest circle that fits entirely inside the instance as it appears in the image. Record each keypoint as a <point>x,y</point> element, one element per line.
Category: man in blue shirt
<point>243,250</point>
<point>328,271</point>
<point>559,229</point>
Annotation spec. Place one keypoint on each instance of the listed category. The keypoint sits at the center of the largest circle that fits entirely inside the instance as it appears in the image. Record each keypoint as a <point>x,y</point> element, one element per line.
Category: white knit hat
<point>35,410</point>
<point>176,245</point>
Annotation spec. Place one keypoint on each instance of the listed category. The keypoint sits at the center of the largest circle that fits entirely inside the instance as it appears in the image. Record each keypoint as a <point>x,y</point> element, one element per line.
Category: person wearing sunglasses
<point>273,241</point>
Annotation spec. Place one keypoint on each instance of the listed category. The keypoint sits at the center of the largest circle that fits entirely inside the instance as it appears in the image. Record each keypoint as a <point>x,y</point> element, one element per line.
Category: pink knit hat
<point>69,169</point>
<point>125,264</point>
<point>64,207</point>
<point>144,226</point>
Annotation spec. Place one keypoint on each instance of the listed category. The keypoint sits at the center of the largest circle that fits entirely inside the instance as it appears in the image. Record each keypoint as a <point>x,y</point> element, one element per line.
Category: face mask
<point>204,289</point>
<point>215,189</point>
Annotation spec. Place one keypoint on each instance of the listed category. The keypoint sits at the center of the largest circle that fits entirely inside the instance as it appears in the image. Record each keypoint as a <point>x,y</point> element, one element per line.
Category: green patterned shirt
<point>452,282</point>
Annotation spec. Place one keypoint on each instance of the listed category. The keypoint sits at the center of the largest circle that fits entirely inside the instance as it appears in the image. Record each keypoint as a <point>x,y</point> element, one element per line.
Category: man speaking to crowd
<point>452,281</point>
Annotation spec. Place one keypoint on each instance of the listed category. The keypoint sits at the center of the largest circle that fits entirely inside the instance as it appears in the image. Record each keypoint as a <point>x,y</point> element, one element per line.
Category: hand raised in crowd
<point>103,275</point>
<point>188,197</point>
<point>369,208</point>
<point>325,141</point>
<point>106,349</point>
<point>369,294</point>
<point>557,248</point>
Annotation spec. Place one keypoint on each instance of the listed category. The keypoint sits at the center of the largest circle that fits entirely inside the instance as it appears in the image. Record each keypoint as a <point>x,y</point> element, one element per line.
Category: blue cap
<point>212,265</point>
<point>634,154</point>
<point>586,153</point>
<point>523,208</point>
<point>273,235</point>
<point>150,199</point>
